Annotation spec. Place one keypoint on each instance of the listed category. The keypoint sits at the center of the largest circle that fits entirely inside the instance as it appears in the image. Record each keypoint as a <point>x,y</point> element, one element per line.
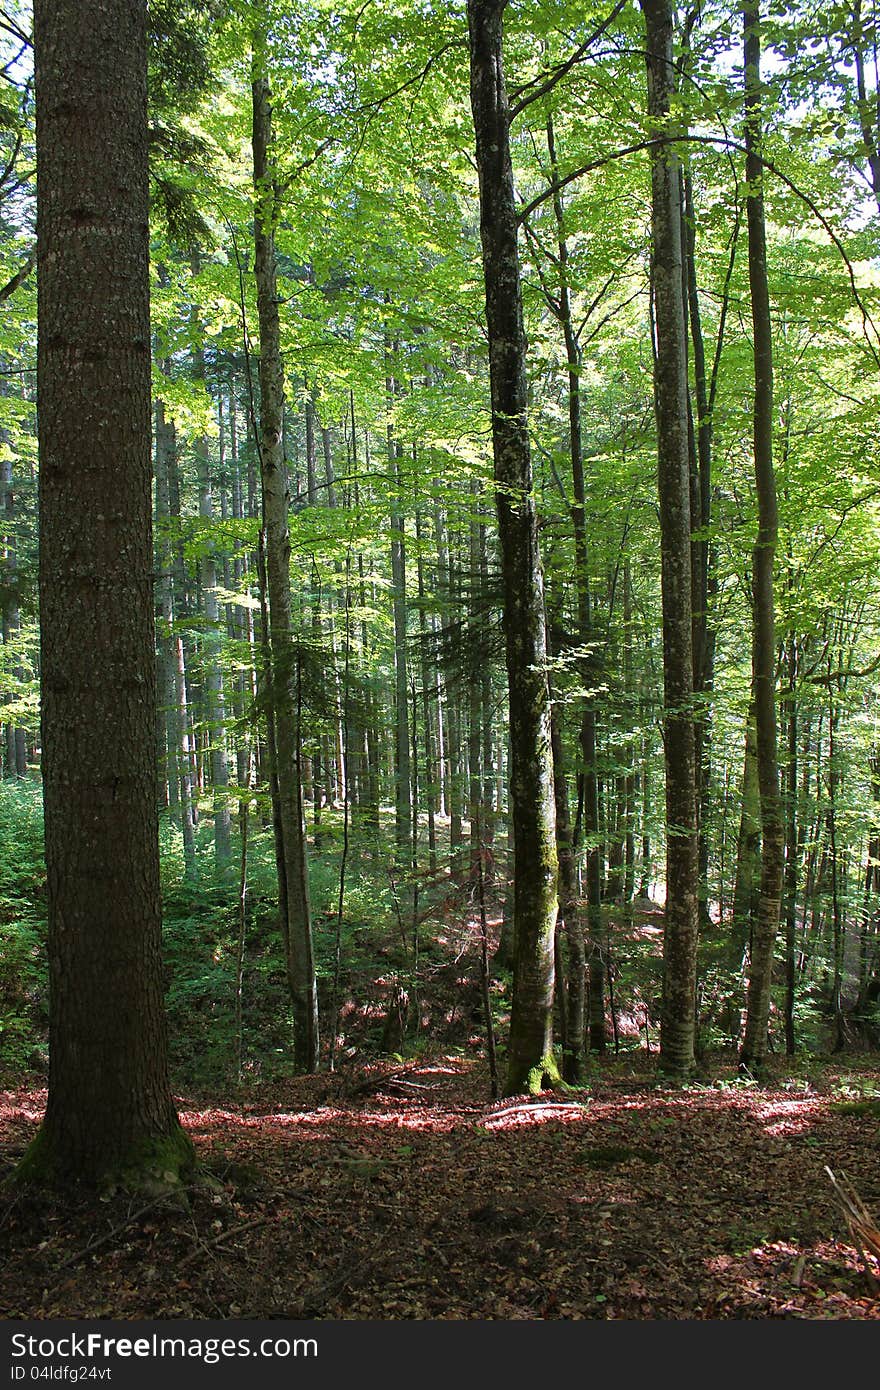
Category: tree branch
<point>563,69</point>
<point>720,142</point>
<point>20,275</point>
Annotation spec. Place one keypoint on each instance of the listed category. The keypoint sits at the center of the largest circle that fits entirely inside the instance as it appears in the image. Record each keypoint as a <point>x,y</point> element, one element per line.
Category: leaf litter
<point>403,1193</point>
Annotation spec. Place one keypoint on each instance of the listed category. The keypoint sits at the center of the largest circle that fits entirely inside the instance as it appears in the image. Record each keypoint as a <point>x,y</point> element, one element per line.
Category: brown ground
<point>416,1197</point>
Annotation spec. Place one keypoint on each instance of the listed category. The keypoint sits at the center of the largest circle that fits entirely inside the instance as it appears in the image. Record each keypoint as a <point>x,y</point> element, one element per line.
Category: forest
<point>439,570</point>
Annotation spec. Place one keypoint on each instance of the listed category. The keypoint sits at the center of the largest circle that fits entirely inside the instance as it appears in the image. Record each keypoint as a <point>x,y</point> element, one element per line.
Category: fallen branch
<point>205,1245</point>
<point>860,1223</point>
<point>375,1083</point>
<point>530,1107</point>
<point>108,1236</point>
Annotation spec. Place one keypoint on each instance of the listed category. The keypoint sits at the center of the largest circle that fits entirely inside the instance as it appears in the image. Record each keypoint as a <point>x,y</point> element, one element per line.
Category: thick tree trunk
<point>763,631</point>
<point>670,398</point>
<point>289,824</point>
<point>109,1114</point>
<point>531,782</point>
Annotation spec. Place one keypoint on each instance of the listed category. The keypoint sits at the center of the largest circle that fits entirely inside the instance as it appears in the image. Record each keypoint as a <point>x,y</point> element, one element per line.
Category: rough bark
<point>109,1114</point>
<point>531,779</point>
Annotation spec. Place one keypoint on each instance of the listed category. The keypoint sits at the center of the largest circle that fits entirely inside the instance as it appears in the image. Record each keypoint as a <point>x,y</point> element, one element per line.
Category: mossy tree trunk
<point>110,1114</point>
<point>531,780</point>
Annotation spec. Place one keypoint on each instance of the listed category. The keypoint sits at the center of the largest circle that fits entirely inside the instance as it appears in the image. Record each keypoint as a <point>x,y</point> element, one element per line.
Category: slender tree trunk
<point>573,991</point>
<point>215,703</point>
<point>429,689</point>
<point>15,735</point>
<point>290,826</point>
<point>792,848</point>
<point>590,673</point>
<point>670,398</point>
<point>748,850</point>
<point>532,806</point>
<point>763,632</point>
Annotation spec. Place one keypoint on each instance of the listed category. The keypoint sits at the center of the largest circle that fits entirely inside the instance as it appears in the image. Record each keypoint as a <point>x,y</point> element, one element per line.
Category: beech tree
<point>766,921</point>
<point>671,405</point>
<point>531,772</point>
<point>109,1115</point>
<point>284,704</point>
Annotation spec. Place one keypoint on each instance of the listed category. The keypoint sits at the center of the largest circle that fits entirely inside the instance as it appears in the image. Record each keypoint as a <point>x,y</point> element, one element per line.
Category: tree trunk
<point>574,989</point>
<point>763,630</point>
<point>670,399</point>
<point>591,674</point>
<point>531,783</point>
<point>404,810</point>
<point>289,825</point>
<point>215,704</point>
<point>109,1114</point>
<point>748,850</point>
<point>15,736</point>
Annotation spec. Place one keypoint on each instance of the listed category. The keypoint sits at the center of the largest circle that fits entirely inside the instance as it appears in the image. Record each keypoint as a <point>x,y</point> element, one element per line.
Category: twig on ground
<point>107,1237</point>
<point>206,1245</point>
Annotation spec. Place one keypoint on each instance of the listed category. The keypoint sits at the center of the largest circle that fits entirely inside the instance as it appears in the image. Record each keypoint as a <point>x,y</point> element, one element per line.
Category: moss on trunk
<point>148,1165</point>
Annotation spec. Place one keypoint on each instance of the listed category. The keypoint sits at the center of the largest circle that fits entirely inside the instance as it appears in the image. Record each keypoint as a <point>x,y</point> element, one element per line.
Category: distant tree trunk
<point>748,849</point>
<point>403,808</point>
<point>429,689</point>
<point>290,827</point>
<point>705,578</point>
<point>590,664</point>
<point>15,735</point>
<point>792,847</point>
<point>532,807</point>
<point>172,674</point>
<point>573,991</point>
<point>670,398</point>
<point>215,704</point>
<point>763,630</point>
<point>110,1114</point>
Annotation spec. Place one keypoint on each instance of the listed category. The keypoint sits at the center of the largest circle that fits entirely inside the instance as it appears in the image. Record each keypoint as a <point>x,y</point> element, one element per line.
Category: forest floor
<point>401,1191</point>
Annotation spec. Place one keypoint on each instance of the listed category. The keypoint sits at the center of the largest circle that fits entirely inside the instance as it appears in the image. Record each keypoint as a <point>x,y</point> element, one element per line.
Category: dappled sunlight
<point>781,1278</point>
<point>787,1117</point>
<point>403,1190</point>
<point>517,1116</point>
